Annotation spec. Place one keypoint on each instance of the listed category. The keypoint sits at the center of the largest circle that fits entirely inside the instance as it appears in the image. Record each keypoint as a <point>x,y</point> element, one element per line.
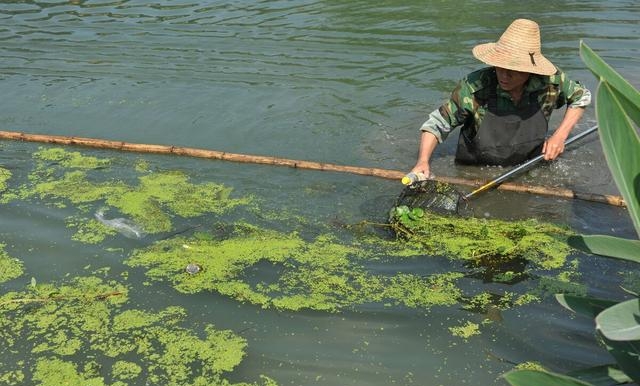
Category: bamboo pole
<point>299,164</point>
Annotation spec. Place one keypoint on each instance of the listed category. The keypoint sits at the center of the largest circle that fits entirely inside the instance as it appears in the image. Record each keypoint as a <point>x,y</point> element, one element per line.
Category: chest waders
<point>504,139</point>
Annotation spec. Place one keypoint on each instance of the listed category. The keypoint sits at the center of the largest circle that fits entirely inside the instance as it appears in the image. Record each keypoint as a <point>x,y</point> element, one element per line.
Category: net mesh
<point>433,196</point>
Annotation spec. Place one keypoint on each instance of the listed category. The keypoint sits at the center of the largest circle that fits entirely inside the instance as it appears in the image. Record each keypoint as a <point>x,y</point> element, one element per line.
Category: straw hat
<point>518,49</point>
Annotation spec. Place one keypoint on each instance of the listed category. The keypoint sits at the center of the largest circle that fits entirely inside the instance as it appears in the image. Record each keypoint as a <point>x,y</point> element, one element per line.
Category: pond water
<point>344,82</point>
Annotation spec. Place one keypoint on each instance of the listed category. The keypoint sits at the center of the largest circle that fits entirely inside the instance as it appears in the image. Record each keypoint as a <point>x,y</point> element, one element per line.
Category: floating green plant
<point>62,177</point>
<point>69,159</point>
<point>286,270</point>
<point>465,331</point>
<point>321,274</point>
<point>80,333</point>
<point>484,242</point>
<point>10,268</point>
<point>89,231</point>
<point>4,177</point>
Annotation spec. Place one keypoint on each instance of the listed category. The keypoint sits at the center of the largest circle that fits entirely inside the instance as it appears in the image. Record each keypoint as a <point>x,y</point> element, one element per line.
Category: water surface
<point>346,82</point>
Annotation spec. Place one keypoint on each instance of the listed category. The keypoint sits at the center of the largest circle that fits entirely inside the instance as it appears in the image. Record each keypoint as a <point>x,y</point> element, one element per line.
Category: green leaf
<point>539,378</point>
<point>621,146</point>
<point>589,307</point>
<point>603,71</point>
<point>610,246</point>
<point>626,354</point>
<point>621,322</point>
<point>605,375</point>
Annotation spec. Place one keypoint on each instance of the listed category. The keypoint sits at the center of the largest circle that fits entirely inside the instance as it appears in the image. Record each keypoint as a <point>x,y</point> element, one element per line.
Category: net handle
<point>525,166</point>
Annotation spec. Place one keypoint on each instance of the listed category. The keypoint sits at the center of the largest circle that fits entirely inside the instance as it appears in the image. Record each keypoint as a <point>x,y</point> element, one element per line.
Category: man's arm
<point>578,97</point>
<point>428,142</point>
<point>554,145</point>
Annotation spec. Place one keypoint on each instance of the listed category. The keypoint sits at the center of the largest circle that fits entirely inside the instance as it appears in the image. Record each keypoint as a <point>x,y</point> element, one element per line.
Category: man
<point>503,111</point>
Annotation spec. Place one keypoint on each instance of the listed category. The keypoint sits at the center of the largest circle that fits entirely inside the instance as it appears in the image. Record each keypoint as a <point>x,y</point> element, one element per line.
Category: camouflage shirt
<point>467,104</point>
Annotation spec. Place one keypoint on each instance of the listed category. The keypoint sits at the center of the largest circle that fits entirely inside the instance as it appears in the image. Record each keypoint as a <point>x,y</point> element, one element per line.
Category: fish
<point>124,226</point>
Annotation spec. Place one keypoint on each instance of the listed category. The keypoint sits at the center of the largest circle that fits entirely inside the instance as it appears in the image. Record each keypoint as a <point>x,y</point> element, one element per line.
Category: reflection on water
<point>328,81</point>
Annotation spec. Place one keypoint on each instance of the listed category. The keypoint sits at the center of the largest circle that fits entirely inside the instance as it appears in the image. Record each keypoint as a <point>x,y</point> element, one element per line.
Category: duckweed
<point>89,231</point>
<point>10,268</point>
<point>465,331</point>
<point>69,159</point>
<point>5,175</point>
<point>274,269</point>
<point>81,333</point>
<point>484,242</point>
<point>322,274</point>
<point>62,178</point>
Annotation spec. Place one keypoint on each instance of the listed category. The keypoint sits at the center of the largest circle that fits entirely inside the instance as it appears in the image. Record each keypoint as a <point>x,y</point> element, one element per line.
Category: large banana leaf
<point>605,375</point>
<point>621,322</point>
<point>589,307</point>
<point>621,146</point>
<point>608,246</point>
<point>626,354</point>
<point>603,71</point>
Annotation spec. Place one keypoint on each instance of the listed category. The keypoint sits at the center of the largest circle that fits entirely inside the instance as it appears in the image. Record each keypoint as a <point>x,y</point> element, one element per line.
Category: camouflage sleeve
<point>575,94</point>
<point>452,114</point>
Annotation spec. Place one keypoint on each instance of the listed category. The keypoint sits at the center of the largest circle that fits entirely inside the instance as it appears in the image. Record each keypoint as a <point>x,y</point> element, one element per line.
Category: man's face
<point>510,80</point>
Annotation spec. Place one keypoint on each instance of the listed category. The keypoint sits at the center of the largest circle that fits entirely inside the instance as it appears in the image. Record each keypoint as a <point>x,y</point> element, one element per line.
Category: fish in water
<point>124,226</point>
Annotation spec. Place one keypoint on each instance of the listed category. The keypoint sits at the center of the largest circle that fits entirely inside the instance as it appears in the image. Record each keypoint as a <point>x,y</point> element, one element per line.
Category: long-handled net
<point>443,198</point>
<point>438,197</point>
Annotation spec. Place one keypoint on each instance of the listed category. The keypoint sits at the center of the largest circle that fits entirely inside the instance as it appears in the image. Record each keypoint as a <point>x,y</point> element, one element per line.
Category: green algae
<point>420,292</point>
<point>484,242</point>
<point>125,370</point>
<point>322,274</point>
<point>55,371</point>
<point>10,268</point>
<point>154,199</point>
<point>465,331</point>
<point>13,377</point>
<point>5,175</point>
<point>89,231</point>
<point>171,192</point>
<point>83,333</point>
<point>287,271</point>
<point>69,159</point>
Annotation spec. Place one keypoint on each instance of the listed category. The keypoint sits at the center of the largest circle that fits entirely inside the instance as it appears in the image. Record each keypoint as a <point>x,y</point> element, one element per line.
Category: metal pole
<point>525,165</point>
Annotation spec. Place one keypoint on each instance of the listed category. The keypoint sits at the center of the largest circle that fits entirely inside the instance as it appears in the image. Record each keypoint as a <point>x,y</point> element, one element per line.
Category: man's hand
<point>428,143</point>
<point>553,147</point>
<point>422,167</point>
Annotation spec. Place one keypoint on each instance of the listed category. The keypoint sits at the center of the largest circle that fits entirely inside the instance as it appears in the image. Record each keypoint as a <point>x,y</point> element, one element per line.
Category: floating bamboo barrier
<point>299,164</point>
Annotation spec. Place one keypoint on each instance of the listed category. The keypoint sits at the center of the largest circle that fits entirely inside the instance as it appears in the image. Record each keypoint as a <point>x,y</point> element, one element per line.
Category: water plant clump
<point>5,175</point>
<point>82,333</point>
<point>62,178</point>
<point>320,274</point>
<point>286,270</point>
<point>465,331</point>
<point>68,159</point>
<point>483,242</point>
<point>10,268</point>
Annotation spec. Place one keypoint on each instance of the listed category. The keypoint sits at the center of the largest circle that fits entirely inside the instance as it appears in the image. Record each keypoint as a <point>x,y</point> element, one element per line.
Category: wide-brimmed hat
<point>518,49</point>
